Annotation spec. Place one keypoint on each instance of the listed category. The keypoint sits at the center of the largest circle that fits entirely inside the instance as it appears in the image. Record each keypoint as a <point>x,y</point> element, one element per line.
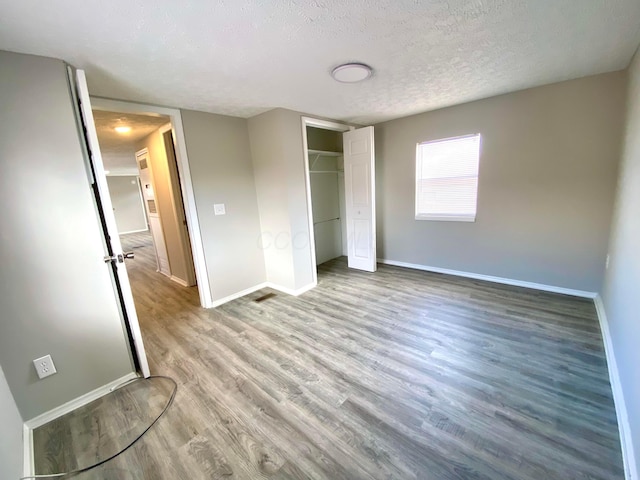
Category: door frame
<point>188,195</point>
<point>325,125</point>
<point>183,238</point>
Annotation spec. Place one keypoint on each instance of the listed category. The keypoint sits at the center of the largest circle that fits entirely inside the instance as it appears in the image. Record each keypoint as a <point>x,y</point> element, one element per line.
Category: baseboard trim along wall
<point>57,412</point>
<point>489,278</point>
<point>71,405</point>
<point>260,286</point>
<point>290,291</point>
<point>134,231</point>
<point>626,442</point>
<point>242,293</point>
<point>179,281</point>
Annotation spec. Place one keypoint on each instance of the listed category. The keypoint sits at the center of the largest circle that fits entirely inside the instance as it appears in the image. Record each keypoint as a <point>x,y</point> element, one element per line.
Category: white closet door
<point>359,174</point>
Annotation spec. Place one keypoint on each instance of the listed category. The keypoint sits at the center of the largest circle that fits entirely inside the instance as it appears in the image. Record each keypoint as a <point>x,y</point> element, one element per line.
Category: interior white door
<point>360,198</point>
<point>112,239</point>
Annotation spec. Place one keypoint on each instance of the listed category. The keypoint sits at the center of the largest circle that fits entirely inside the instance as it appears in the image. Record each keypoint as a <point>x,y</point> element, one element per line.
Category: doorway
<point>170,142</point>
<point>138,155</point>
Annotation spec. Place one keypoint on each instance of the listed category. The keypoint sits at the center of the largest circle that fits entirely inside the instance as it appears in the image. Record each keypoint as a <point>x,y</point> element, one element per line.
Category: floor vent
<point>265,297</point>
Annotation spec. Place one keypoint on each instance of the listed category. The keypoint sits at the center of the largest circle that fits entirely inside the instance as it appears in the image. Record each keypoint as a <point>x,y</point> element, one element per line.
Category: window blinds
<point>447,179</point>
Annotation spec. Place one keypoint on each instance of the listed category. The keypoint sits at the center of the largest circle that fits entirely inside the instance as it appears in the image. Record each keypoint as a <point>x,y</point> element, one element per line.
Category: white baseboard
<point>290,291</point>
<point>260,286</point>
<point>179,281</point>
<point>30,425</point>
<point>626,442</point>
<point>133,231</point>
<point>247,291</point>
<point>489,278</point>
<point>71,405</point>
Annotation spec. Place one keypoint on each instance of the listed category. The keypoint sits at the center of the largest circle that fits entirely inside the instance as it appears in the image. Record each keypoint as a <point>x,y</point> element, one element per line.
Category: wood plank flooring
<point>399,374</point>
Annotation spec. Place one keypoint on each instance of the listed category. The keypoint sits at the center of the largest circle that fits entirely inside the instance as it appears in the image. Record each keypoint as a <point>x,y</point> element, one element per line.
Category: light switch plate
<point>44,366</point>
<point>218,209</point>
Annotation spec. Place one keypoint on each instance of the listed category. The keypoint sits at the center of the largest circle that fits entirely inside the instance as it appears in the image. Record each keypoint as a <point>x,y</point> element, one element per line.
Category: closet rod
<point>325,221</point>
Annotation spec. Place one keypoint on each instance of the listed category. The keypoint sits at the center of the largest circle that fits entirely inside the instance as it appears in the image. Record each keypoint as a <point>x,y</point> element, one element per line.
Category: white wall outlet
<point>44,366</point>
<point>218,209</point>
<point>606,263</point>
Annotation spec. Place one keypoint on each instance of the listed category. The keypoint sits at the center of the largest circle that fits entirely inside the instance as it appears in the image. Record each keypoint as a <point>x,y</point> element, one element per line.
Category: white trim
<point>81,401</point>
<point>290,291</point>
<point>188,196</point>
<point>626,442</point>
<point>307,187</point>
<point>326,124</point>
<point>242,293</point>
<point>122,174</point>
<point>446,218</point>
<point>180,281</point>
<point>28,467</point>
<point>489,278</point>
<point>260,286</point>
<point>133,231</point>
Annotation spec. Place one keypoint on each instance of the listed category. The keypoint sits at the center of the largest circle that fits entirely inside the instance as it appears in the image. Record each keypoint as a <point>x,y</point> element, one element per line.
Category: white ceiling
<point>242,58</point>
<point>118,149</point>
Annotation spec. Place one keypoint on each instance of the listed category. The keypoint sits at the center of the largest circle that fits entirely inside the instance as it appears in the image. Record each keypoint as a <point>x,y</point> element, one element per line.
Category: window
<point>447,179</point>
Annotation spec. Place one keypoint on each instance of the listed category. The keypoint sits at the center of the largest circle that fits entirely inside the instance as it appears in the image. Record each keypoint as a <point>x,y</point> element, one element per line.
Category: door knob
<point>119,258</point>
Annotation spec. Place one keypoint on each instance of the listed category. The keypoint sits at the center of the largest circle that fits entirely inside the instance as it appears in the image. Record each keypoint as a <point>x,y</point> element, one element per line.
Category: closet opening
<point>325,189</point>
<point>326,181</point>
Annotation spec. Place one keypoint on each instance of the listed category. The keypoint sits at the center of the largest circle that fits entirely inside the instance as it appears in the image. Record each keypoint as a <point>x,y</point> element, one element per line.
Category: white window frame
<point>444,217</point>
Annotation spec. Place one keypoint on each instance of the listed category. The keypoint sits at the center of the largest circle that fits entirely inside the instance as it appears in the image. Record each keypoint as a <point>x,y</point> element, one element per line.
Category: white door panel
<point>359,168</point>
<point>114,248</point>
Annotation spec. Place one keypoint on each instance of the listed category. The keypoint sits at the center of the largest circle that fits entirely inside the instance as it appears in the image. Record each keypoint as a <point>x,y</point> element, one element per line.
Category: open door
<point>360,197</point>
<point>114,256</point>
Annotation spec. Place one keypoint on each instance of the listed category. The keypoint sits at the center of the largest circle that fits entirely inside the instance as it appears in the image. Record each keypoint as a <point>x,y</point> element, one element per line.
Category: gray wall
<point>622,279</point>
<point>119,161</point>
<point>128,209</point>
<point>56,295</point>
<point>11,452</point>
<point>221,172</point>
<point>278,162</point>
<point>546,184</point>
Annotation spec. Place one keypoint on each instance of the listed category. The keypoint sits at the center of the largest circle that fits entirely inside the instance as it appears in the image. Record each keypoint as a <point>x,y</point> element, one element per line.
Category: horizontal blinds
<point>447,178</point>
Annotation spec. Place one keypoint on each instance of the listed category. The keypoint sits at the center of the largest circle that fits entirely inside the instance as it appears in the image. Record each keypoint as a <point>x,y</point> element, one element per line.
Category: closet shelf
<point>325,153</point>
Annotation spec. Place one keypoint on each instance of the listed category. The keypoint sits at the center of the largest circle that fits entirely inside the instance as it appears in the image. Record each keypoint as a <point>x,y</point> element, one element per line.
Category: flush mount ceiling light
<point>122,129</point>
<point>351,72</point>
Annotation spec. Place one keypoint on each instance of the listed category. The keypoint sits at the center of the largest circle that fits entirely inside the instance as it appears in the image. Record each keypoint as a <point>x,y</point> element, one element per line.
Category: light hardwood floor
<point>398,374</point>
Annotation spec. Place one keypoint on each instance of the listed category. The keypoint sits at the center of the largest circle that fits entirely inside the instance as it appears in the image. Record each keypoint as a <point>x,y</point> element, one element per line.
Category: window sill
<point>446,218</point>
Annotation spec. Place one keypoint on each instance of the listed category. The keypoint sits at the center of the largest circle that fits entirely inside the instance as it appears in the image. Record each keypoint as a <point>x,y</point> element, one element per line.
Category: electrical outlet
<point>606,263</point>
<point>44,366</point>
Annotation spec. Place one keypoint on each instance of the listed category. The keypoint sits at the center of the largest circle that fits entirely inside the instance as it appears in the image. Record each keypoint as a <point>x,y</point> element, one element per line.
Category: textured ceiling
<point>242,58</point>
<point>118,149</point>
